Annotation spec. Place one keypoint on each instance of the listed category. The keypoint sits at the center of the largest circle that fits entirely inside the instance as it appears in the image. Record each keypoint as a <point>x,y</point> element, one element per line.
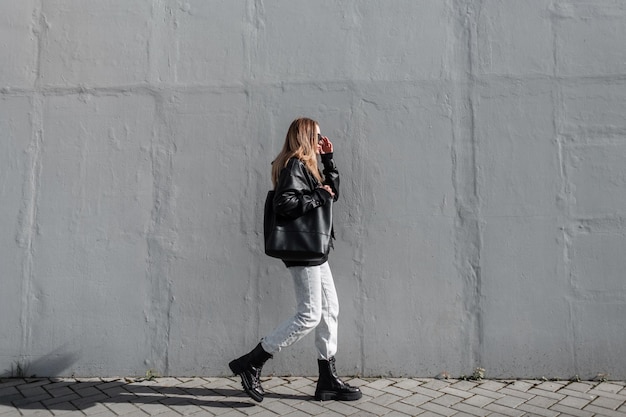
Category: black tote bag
<point>305,238</point>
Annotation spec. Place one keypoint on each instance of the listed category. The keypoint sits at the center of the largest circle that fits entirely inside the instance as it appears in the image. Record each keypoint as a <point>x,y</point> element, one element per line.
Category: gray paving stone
<point>33,391</point>
<point>580,386</point>
<point>31,383</point>
<point>574,402</point>
<point>357,382</point>
<point>279,408</point>
<point>60,400</point>
<point>372,393</point>
<point>426,413</point>
<point>297,383</point>
<point>447,400</point>
<point>372,408</point>
<point>397,414</point>
<point>27,401</point>
<point>601,394</point>
<point>272,382</point>
<point>490,386</point>
<point>107,384</point>
<point>600,411</point>
<point>342,408</point>
<point>154,408</point>
<point>8,411</point>
<point>437,384</point>
<point>313,408</point>
<point>11,382</point>
<point>607,394</point>
<point>542,402</point>
<point>547,394</point>
<point>408,384</point>
<point>122,408</point>
<point>63,409</point>
<point>405,408</point>
<point>605,402</point>
<point>59,391</point>
<point>428,392</point>
<point>551,386</point>
<point>193,383</point>
<point>417,399</point>
<point>577,394</point>
<point>571,411</point>
<point>172,413</point>
<point>293,396</point>
<point>8,399</point>
<point>95,409</point>
<point>486,393</point>
<point>510,401</point>
<point>521,385</point>
<point>297,414</point>
<point>399,392</point>
<point>609,387</point>
<point>379,384</point>
<point>330,413</point>
<point>386,399</point>
<point>538,410</point>
<point>505,411</point>
<point>457,392</point>
<point>478,401</point>
<point>60,383</point>
<point>471,410</point>
<point>515,393</point>
<point>265,413</point>
<point>89,401</point>
<point>233,413</point>
<point>36,412</point>
<point>464,385</point>
<point>438,409</point>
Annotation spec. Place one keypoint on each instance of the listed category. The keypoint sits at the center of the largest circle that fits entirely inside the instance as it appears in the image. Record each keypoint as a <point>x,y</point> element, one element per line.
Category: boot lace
<point>333,369</point>
<point>256,381</point>
<point>341,385</point>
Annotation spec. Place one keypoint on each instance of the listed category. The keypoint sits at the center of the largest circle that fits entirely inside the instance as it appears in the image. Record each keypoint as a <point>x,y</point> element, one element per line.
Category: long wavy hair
<point>301,143</point>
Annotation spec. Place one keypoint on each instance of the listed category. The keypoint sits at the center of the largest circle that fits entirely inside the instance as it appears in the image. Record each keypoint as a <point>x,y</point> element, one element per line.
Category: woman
<point>299,188</point>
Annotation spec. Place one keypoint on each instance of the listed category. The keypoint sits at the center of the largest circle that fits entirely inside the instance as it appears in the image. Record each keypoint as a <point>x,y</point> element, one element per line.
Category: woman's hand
<point>330,190</point>
<point>326,146</point>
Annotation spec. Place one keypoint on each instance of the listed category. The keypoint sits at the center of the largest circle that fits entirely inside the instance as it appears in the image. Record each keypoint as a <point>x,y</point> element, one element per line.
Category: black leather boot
<point>330,387</point>
<point>248,367</point>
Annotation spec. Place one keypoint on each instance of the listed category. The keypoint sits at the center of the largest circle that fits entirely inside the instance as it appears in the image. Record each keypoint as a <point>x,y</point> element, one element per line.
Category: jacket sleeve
<point>294,193</point>
<point>331,174</point>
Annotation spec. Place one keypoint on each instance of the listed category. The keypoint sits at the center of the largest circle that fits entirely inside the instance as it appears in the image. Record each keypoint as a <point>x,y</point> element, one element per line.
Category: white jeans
<point>318,308</point>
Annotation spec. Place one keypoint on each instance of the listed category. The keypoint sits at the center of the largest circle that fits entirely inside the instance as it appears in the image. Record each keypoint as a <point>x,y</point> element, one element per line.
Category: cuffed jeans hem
<point>269,349</point>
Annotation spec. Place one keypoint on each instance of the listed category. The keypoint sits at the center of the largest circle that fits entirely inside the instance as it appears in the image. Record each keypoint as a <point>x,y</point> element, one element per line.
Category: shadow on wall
<point>54,363</point>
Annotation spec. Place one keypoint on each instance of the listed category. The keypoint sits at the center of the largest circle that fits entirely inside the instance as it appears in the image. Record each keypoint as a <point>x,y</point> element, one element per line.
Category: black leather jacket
<point>298,191</point>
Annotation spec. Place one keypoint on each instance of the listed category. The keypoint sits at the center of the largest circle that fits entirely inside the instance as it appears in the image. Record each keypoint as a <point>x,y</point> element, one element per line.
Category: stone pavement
<point>293,397</point>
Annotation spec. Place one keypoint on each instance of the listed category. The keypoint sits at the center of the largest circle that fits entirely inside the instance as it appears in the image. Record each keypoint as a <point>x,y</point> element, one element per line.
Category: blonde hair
<point>301,143</point>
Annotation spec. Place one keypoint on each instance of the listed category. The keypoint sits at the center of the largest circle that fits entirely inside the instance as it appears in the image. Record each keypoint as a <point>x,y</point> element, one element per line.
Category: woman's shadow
<point>58,394</point>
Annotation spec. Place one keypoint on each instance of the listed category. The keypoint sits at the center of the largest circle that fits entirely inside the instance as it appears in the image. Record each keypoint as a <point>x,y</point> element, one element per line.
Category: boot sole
<point>332,395</point>
<point>247,387</point>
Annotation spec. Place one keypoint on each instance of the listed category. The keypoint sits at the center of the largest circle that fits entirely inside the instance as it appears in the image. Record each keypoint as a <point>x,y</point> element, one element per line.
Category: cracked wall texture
<point>482,146</point>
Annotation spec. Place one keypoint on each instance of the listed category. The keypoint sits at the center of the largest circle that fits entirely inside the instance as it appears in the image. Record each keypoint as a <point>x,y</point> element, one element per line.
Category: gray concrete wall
<point>482,146</point>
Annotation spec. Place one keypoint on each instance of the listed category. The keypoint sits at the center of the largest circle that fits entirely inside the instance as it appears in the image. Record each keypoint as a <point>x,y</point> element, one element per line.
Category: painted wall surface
<point>482,148</point>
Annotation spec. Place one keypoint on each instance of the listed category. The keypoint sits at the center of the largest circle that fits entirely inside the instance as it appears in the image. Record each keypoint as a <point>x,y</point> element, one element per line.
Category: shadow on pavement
<point>59,394</point>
